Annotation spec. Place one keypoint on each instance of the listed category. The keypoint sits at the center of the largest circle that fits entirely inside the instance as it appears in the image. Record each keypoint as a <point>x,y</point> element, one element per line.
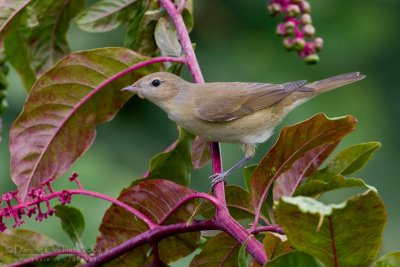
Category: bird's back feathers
<point>224,103</point>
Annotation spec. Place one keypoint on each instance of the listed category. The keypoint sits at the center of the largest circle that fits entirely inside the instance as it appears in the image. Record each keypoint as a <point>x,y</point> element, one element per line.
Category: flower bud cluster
<point>297,29</point>
<point>11,205</point>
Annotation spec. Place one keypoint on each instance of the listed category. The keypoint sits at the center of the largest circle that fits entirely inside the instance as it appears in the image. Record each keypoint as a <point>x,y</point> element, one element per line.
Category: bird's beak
<point>131,88</point>
<point>134,89</point>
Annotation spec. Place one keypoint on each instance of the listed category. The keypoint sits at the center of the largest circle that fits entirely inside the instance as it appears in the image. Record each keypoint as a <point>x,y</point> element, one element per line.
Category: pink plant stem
<point>222,216</point>
<point>194,68</point>
<point>181,6</point>
<point>40,257</point>
<point>211,199</point>
<point>141,65</point>
<point>156,256</point>
<point>128,208</point>
<point>121,204</point>
<point>269,228</point>
<point>149,237</point>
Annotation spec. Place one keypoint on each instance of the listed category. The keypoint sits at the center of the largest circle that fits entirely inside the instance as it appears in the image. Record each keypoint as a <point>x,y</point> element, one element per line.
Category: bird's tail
<point>328,84</point>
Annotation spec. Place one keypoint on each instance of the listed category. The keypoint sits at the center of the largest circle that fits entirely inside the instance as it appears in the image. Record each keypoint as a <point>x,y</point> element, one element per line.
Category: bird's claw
<point>218,177</point>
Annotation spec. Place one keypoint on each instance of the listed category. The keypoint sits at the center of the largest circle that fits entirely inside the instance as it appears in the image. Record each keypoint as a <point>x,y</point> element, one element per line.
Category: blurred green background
<point>235,41</point>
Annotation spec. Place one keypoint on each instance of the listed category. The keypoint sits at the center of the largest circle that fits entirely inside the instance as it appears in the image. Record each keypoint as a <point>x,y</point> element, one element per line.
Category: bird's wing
<point>222,103</point>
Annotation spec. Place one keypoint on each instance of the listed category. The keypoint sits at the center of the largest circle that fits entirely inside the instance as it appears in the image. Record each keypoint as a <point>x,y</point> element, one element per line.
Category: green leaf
<point>293,143</point>
<point>242,256</point>
<point>295,259</point>
<point>331,177</point>
<point>188,19</point>
<point>247,173</point>
<point>16,245</point>
<point>276,245</point>
<point>38,39</point>
<point>154,198</point>
<point>174,163</point>
<point>238,201</point>
<point>17,52</point>
<point>221,250</point>
<point>389,260</point>
<point>72,222</point>
<point>349,233</point>
<point>9,10</point>
<point>57,124</point>
<point>200,151</point>
<point>316,187</point>
<point>106,15</point>
<point>348,161</point>
<point>140,31</point>
<point>167,38</point>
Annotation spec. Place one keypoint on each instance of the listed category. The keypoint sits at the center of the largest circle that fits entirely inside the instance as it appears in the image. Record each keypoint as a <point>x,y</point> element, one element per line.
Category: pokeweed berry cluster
<point>11,205</point>
<point>297,28</point>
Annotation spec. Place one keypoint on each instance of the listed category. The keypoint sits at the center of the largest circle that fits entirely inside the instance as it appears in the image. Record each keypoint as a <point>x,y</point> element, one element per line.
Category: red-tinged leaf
<point>155,199</point>
<point>9,10</point>
<point>347,161</point>
<point>287,182</point>
<point>200,153</point>
<point>37,40</point>
<point>238,201</point>
<point>293,143</point>
<point>57,124</point>
<point>331,177</point>
<point>221,250</point>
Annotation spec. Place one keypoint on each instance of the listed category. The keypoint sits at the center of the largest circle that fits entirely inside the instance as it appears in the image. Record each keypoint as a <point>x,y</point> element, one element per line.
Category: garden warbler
<point>231,112</point>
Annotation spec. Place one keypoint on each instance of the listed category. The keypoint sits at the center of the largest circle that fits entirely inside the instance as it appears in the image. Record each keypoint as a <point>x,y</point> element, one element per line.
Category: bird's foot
<point>218,177</point>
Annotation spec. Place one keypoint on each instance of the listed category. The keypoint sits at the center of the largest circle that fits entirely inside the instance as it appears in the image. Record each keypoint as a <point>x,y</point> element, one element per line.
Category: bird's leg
<point>249,154</point>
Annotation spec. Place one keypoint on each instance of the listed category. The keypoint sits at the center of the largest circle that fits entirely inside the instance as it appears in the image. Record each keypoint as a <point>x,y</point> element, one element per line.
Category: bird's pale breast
<point>252,129</point>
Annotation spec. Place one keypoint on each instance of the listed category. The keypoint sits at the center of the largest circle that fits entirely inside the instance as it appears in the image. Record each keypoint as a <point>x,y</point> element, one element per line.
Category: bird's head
<point>157,87</point>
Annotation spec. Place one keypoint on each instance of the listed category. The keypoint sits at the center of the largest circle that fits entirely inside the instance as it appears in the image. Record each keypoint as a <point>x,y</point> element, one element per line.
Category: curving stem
<point>222,216</point>
<point>194,69</point>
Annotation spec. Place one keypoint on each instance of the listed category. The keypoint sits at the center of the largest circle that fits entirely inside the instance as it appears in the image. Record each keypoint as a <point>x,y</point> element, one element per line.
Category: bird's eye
<point>156,82</point>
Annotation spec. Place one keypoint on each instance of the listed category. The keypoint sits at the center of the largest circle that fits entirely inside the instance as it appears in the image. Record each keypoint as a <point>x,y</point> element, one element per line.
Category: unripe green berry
<point>3,106</point>
<point>312,59</point>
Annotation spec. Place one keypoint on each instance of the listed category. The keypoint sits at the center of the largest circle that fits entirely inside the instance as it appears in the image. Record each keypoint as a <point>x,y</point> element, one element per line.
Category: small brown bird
<point>231,112</point>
